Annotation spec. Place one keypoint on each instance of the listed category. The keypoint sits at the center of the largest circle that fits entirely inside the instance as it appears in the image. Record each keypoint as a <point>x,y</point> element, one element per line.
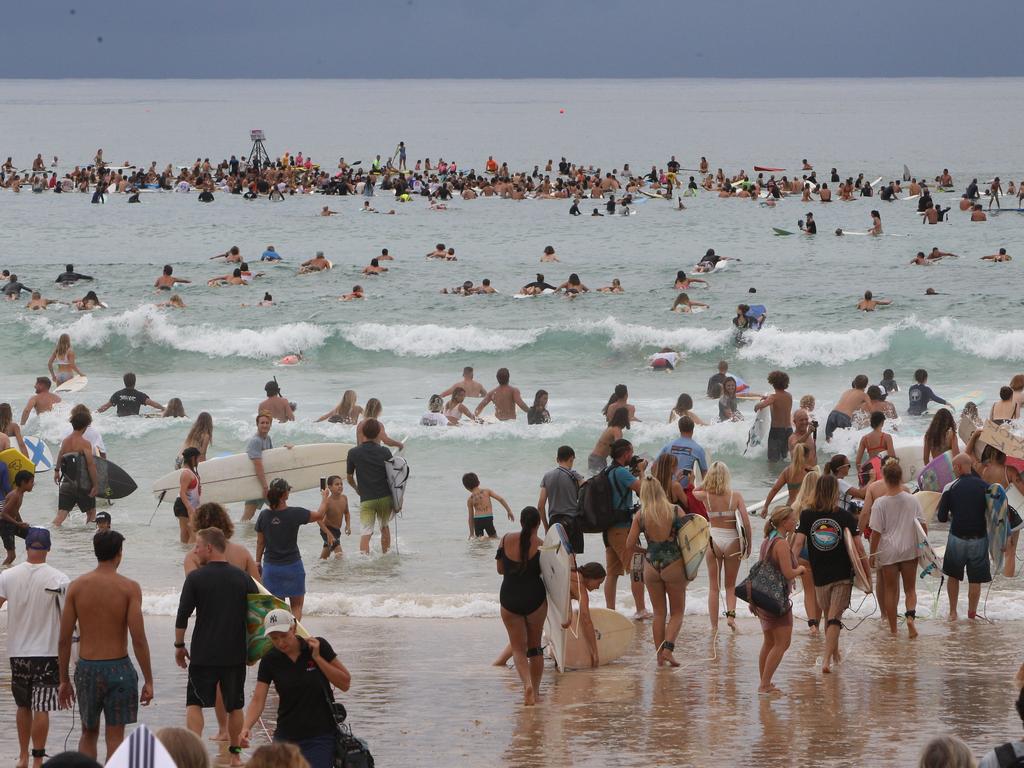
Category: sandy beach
<point>424,688</point>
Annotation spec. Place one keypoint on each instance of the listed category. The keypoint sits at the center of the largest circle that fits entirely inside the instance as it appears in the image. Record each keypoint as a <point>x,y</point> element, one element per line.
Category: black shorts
<point>7,533</point>
<point>482,525</point>
<point>778,443</point>
<point>203,682</point>
<point>34,682</point>
<point>180,510</point>
<point>69,496</point>
<point>336,533</point>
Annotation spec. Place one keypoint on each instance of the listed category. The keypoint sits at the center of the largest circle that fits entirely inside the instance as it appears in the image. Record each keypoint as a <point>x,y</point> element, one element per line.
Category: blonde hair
<point>372,408</point>
<point>63,345</point>
<point>807,402</point>
<point>805,496</point>
<point>655,509</point>
<point>185,748</point>
<point>718,481</point>
<point>946,752</point>
<point>348,402</point>
<point>775,518</point>
<point>664,471</point>
<point>176,301</point>
<point>277,755</point>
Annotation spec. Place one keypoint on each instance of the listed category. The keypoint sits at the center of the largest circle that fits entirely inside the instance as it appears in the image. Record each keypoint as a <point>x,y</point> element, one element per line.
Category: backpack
<point>1006,756</point>
<point>597,511</point>
<point>397,470</point>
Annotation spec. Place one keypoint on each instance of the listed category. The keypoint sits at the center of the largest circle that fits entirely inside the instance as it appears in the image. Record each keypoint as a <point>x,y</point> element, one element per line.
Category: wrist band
<point>179,645</point>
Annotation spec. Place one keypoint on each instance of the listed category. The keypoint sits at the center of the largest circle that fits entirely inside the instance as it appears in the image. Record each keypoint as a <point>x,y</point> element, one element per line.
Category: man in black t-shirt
<point>129,400</point>
<point>218,593</point>
<point>822,532</point>
<point>716,382</point>
<point>369,463</point>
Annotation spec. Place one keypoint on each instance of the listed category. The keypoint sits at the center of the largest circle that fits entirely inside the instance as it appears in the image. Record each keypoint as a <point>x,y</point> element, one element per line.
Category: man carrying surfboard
<point>781,404</point>
<point>963,505</point>
<point>73,449</point>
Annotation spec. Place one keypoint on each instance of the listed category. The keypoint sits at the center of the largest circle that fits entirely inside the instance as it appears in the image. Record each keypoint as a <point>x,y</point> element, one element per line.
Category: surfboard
<point>233,478</point>
<point>615,635</point>
<point>758,430</point>
<point>911,460</point>
<point>929,501</point>
<point>741,531</point>
<point>965,428</point>
<point>927,560</point>
<point>545,292</point>
<point>693,539</point>
<point>1002,439</point>
<point>875,183</point>
<point>956,404</point>
<point>781,232</point>
<point>39,454</point>
<point>16,461</point>
<point>142,747</point>
<point>1016,500</point>
<point>114,482</point>
<point>998,525</point>
<point>768,169</point>
<point>556,571</point>
<point>257,644</point>
<point>860,576</point>
<point>75,384</point>
<point>937,474</point>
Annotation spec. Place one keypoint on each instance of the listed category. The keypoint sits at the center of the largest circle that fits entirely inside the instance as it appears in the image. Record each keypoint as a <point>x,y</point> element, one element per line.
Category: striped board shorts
<point>34,682</point>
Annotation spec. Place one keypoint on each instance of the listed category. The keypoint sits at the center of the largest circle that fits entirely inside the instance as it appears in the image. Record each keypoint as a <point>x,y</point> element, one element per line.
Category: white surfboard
<point>615,635</point>
<point>233,478</point>
<point>927,560</point>
<point>911,461</point>
<point>759,429</point>
<point>141,748</point>
<point>556,570</point>
<point>75,384</point>
<point>39,453</point>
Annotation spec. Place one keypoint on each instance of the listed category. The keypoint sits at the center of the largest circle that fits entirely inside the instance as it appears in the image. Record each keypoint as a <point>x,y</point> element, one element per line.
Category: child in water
<point>330,526</point>
<point>481,515</point>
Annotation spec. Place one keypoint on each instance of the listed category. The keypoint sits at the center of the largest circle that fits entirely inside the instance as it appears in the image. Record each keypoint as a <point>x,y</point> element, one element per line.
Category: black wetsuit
<point>575,210</point>
<point>540,284</point>
<point>66,278</point>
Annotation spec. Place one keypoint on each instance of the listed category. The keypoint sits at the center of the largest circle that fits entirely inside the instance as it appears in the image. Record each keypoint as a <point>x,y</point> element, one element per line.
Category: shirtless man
<point>374,268</point>
<point>357,293</point>
<point>317,264</point>
<point>472,387</point>
<point>803,432</point>
<point>781,403</point>
<point>936,254</point>
<point>504,397</point>
<point>438,253</point>
<point>107,607</point>
<point>38,302</point>
<point>825,194</point>
<point>869,303</point>
<point>385,256</point>
<point>276,404</point>
<point>921,260</point>
<point>977,214</point>
<point>69,494</point>
<point>11,524</point>
<point>1001,256</point>
<point>42,401</point>
<point>325,211</point>
<point>853,399</point>
<point>232,255</point>
<point>166,281</point>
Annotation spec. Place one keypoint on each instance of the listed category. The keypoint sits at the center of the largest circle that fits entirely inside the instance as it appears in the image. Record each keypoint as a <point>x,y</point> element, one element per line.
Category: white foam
<point>429,340</point>
<point>990,343</point>
<point>626,335</point>
<point>792,348</point>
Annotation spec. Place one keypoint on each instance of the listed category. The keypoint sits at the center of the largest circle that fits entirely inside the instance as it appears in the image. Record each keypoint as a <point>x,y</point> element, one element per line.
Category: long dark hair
<point>619,393</point>
<point>942,422</point>
<point>529,519</point>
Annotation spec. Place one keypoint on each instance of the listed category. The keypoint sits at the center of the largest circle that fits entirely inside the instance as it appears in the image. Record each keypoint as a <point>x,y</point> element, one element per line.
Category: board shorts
<point>970,555</point>
<point>8,532</point>
<point>34,682</point>
<point>180,510</point>
<point>255,502</point>
<point>69,495</point>
<point>203,681</point>
<point>778,443</point>
<point>596,463</point>
<point>836,420</point>
<point>482,525</point>
<point>336,533</point>
<point>373,510</point>
<point>834,598</point>
<point>616,557</point>
<point>110,688</point>
<point>287,580</point>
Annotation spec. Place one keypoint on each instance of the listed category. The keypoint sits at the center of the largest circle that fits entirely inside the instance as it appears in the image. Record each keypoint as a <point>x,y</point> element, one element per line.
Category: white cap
<point>278,620</point>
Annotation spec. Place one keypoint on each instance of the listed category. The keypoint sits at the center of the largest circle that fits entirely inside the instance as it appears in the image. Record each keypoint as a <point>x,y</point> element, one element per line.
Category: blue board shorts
<point>970,555</point>
<point>285,580</point>
<point>110,688</point>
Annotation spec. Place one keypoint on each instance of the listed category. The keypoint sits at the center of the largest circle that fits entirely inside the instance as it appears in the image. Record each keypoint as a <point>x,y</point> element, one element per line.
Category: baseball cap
<point>37,538</point>
<point>278,620</point>
<point>102,517</point>
<point>271,387</point>
<point>280,484</point>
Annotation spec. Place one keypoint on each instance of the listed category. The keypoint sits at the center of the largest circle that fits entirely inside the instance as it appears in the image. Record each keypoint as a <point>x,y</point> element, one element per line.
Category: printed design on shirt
<point>826,534</point>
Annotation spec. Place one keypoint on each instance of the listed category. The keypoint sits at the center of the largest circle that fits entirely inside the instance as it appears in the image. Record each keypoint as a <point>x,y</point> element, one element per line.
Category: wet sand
<point>424,688</point>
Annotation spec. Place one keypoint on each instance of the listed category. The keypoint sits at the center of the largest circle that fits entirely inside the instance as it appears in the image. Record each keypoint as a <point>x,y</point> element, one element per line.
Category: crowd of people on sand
<point>869,497</point>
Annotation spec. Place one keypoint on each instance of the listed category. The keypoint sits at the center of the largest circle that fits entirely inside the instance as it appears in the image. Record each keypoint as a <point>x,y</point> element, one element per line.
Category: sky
<point>510,38</point>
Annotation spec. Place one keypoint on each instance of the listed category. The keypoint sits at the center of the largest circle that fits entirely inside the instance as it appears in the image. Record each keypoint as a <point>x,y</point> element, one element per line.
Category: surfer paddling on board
<point>869,303</point>
<point>506,399</point>
<point>853,399</point>
<point>998,257</point>
<point>781,403</point>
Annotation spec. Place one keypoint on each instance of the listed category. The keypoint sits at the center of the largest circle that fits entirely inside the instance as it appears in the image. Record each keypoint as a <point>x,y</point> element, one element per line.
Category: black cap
<point>102,517</point>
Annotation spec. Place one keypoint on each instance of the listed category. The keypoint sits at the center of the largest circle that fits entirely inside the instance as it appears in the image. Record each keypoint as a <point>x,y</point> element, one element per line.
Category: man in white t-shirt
<point>91,434</point>
<point>34,593</point>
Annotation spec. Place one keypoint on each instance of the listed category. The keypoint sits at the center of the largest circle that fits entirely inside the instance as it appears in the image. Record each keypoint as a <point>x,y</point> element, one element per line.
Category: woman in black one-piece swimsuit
<point>524,603</point>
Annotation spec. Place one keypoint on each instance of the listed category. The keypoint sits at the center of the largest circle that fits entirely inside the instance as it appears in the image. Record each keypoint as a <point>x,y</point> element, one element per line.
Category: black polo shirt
<point>965,504</point>
<point>302,688</point>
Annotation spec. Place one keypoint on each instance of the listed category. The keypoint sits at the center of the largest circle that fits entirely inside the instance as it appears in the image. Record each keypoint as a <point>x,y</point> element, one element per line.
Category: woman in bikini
<point>373,411</point>
<point>63,358</point>
<point>345,412</point>
<point>684,407</point>
<point>792,477</point>
<point>940,436</point>
<point>778,630</point>
<point>619,399</point>
<point>664,576</point>
<point>724,506</point>
<point>456,409</point>
<point>874,443</point>
<point>1007,409</point>
<point>598,458</point>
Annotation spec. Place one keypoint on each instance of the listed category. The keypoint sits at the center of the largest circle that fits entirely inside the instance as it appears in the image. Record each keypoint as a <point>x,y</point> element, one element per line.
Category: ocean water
<point>407,341</point>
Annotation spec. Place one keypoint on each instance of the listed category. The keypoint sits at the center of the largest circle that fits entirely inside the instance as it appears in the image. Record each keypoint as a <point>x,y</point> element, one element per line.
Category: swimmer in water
<point>270,254</point>
<point>88,302</point>
<point>357,293</point>
<point>235,278</point>
<point>385,256</point>
<point>921,260</point>
<point>937,254</point>
<point>683,304</point>
<point>230,255</point>
<point>38,302</point>
<point>876,223</point>
<point>367,208</point>
<point>174,302</point>
<point>374,268</point>
<point>167,281</point>
<point>1001,256</point>
<point>438,253</point>
<point>573,286</point>
<point>317,264</point>
<point>615,287</point>
<point>684,283</point>
<point>869,303</point>
<point>549,254</point>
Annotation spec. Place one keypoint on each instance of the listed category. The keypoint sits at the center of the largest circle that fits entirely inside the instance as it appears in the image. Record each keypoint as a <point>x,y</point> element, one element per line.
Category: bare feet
<point>529,698</point>
<point>813,631</point>
<point>665,657</point>
<point>219,736</point>
<point>642,614</point>
<point>953,616</point>
<point>731,621</point>
<point>911,629</point>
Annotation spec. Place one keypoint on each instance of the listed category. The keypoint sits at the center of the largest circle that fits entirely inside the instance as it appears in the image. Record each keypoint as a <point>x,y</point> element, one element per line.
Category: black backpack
<point>1006,755</point>
<point>597,511</point>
